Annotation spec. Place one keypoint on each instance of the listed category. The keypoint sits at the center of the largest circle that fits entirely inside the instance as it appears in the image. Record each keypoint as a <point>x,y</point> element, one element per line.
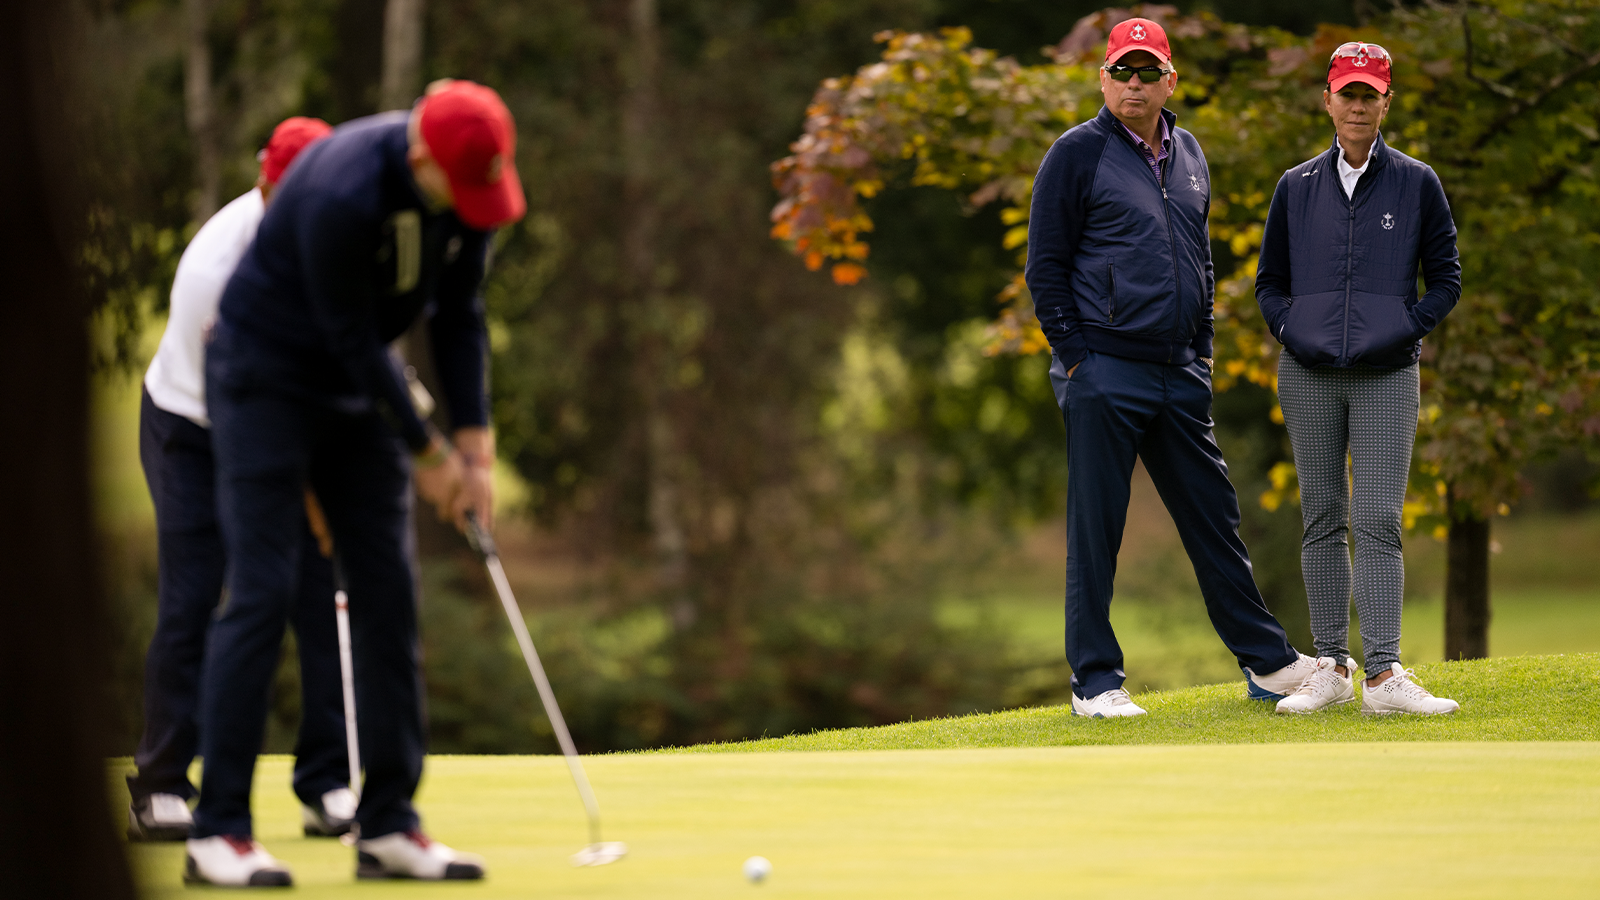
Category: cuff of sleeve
<point>1071,352</point>
<point>1202,347</point>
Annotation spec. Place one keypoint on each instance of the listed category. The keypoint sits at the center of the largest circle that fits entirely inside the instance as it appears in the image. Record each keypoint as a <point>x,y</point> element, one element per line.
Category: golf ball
<point>757,868</point>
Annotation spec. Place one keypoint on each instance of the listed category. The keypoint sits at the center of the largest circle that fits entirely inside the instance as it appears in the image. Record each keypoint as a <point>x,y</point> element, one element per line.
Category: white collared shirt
<point>176,377</point>
<point>1349,175</point>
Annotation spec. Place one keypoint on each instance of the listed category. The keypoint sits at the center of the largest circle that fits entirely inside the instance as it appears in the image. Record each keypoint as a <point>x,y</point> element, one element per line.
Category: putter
<point>599,852</point>
<point>347,675</point>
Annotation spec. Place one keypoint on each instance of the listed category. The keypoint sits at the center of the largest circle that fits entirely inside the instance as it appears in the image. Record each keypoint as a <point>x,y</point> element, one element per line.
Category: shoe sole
<point>266,878</point>
<point>452,872</point>
<point>1407,712</point>
<point>1307,712</point>
<point>143,835</point>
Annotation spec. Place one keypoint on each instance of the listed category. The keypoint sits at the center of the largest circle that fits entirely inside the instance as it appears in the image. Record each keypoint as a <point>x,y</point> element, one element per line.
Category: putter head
<point>600,854</point>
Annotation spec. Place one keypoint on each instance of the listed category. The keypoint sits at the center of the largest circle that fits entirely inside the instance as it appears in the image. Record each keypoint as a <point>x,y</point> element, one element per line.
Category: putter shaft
<point>530,655</point>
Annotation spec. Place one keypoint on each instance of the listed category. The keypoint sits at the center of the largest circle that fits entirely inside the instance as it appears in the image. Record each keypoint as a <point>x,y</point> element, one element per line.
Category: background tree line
<point>769,477</point>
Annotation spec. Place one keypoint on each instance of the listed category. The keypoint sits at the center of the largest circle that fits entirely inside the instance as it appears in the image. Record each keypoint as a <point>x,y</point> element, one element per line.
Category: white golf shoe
<point>410,854</point>
<point>1109,705</point>
<point>1325,687</point>
<point>334,814</point>
<point>1399,694</point>
<point>1277,685</point>
<point>159,817</point>
<point>233,861</point>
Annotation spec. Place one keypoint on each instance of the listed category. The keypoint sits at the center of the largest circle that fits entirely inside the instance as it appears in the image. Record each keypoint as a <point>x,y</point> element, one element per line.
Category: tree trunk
<point>402,54</point>
<point>1466,585</point>
<point>56,837</point>
<point>200,111</point>
<point>654,361</point>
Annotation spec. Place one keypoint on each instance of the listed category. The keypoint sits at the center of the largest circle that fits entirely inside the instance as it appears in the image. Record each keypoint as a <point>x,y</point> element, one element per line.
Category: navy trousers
<point>1117,410</point>
<point>179,468</point>
<point>268,445</point>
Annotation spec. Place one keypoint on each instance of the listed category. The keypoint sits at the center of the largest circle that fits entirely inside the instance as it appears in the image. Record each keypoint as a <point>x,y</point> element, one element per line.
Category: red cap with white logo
<point>1359,61</point>
<point>471,136</point>
<point>1137,34</point>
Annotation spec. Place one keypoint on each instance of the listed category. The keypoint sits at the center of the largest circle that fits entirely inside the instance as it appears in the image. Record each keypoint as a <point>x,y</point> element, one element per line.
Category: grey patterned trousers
<point>1368,416</point>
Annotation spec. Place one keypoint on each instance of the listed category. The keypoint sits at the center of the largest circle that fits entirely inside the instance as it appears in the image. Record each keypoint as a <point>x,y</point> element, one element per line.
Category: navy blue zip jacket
<point>1337,280</point>
<point>347,256</point>
<point>1118,262</point>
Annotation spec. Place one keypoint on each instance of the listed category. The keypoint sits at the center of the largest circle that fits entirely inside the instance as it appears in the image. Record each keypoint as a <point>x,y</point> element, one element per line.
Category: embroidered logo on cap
<point>1137,32</point>
<point>1361,56</point>
<point>1388,221</point>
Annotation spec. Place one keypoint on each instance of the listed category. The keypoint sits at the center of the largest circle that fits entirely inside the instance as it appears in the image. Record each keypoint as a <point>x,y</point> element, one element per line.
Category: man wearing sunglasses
<point>1119,264</point>
<point>1346,236</point>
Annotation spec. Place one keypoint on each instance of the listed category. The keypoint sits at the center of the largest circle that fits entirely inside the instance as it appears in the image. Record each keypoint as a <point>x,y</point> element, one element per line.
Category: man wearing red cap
<point>1346,236</point>
<point>388,219</point>
<point>175,449</point>
<point>1119,264</point>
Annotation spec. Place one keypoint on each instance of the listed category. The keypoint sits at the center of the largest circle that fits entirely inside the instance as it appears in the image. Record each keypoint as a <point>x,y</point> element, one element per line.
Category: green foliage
<point>1498,97</point>
<point>627,680</point>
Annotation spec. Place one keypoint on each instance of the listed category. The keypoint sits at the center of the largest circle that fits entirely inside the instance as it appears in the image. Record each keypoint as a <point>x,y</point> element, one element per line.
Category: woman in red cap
<point>1346,236</point>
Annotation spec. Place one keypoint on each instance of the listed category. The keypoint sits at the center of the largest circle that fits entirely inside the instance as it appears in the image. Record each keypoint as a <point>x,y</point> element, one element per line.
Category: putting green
<point>1448,820</point>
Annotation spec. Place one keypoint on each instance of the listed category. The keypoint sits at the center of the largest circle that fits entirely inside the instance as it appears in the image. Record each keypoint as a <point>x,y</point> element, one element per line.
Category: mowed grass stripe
<point>1419,820</point>
<point>1525,698</point>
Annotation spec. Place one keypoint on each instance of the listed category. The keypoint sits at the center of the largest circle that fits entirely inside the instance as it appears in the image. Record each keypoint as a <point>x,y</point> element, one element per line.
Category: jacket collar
<point>1379,159</point>
<point>1112,123</point>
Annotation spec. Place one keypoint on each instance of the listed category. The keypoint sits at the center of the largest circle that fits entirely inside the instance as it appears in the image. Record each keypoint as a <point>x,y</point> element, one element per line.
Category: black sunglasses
<point>1147,74</point>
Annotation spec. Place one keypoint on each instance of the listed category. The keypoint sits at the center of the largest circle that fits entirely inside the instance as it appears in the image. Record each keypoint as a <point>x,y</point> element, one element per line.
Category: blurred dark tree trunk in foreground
<point>55,834</point>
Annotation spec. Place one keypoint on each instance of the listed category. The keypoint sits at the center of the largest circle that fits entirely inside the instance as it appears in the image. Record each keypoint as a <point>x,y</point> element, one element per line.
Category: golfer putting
<point>387,219</point>
<point>1119,264</point>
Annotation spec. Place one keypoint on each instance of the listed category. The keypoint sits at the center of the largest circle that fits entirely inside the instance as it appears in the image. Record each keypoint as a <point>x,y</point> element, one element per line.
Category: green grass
<point>1493,694</point>
<point>1456,821</point>
<point>1223,800</point>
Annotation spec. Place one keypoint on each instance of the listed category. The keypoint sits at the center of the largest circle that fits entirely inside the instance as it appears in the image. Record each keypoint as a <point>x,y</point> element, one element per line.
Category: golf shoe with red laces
<point>411,854</point>
<point>1111,704</point>
<point>1277,685</point>
<point>231,860</point>
<point>1399,694</point>
<point>1325,688</point>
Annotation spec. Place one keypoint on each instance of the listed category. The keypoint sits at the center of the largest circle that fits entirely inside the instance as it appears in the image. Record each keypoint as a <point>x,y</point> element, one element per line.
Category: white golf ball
<point>757,868</point>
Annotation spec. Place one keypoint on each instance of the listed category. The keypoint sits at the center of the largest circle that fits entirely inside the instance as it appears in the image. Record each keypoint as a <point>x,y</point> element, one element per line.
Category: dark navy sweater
<point>347,256</point>
<point>1119,262</point>
<point>1337,279</point>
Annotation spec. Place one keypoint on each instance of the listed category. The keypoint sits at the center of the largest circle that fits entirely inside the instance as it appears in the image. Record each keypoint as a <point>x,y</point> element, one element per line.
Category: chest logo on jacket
<point>404,228</point>
<point>1388,221</point>
<point>1194,183</point>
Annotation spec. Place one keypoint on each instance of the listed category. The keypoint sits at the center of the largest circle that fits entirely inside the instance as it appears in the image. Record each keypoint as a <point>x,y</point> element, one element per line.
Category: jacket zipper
<point>1349,273</point>
<point>1111,302</point>
<point>1172,240</point>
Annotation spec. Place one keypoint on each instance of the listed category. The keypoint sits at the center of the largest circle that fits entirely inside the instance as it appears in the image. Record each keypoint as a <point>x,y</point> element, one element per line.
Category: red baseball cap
<point>1138,34</point>
<point>1359,61</point>
<point>470,133</point>
<point>290,137</point>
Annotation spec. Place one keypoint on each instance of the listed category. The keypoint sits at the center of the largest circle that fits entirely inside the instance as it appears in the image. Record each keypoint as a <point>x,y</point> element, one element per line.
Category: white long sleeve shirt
<point>176,377</point>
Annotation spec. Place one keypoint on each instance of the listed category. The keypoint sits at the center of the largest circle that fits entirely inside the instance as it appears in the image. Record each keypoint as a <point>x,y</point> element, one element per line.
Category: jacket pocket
<point>1381,331</point>
<point>1111,293</point>
<point>1313,332</point>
